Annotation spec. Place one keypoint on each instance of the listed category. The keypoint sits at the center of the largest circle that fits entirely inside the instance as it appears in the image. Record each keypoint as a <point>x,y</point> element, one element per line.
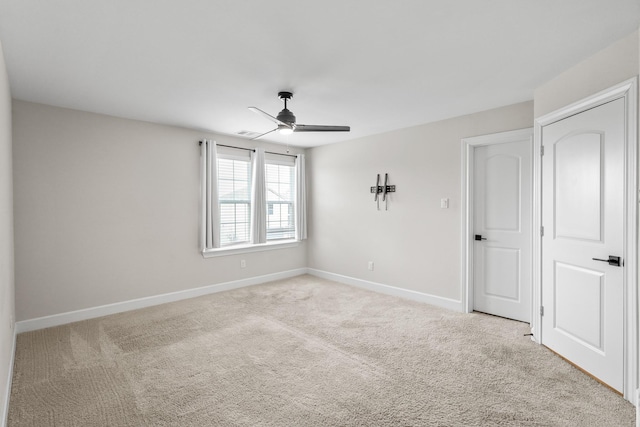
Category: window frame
<point>248,247</point>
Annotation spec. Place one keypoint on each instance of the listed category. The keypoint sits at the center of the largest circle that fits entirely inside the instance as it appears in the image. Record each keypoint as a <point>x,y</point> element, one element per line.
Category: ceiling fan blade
<point>321,128</point>
<point>261,135</point>
<point>268,116</point>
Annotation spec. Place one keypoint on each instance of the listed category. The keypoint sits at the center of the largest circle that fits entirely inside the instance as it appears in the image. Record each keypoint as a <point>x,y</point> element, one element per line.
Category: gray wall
<point>6,235</point>
<point>107,210</point>
<point>612,65</point>
<point>415,245</point>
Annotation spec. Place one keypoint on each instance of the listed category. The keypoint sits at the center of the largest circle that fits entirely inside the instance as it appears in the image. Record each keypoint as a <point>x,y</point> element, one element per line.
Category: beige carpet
<point>300,352</point>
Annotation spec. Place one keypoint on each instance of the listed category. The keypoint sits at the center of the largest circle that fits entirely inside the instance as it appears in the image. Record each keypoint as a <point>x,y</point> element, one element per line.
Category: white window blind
<point>280,181</point>
<point>234,192</point>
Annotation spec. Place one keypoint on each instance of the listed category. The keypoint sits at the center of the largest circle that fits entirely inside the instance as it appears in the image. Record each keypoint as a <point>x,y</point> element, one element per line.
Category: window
<point>251,200</point>
<point>234,192</point>
<point>280,180</point>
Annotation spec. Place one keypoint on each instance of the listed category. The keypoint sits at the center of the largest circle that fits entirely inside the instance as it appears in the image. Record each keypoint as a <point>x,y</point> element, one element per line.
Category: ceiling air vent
<point>248,133</point>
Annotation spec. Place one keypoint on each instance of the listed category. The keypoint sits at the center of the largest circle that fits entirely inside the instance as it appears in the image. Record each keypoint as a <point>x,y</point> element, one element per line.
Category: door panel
<point>578,186</point>
<point>581,322</point>
<point>502,272</point>
<point>502,216</point>
<point>502,193</point>
<point>583,210</point>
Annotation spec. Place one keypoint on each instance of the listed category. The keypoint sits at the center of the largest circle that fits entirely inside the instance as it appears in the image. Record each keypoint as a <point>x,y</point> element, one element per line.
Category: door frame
<point>469,146</point>
<point>627,90</point>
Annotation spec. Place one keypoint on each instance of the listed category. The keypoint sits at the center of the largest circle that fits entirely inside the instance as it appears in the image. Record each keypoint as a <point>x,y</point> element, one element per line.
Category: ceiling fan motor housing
<point>286,116</point>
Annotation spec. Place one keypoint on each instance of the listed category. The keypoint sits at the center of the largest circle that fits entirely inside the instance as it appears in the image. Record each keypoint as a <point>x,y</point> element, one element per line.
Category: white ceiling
<point>374,65</point>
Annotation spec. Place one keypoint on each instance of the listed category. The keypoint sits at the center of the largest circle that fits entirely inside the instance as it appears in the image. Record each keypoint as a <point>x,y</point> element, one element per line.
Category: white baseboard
<point>4,409</point>
<point>447,303</point>
<point>119,307</point>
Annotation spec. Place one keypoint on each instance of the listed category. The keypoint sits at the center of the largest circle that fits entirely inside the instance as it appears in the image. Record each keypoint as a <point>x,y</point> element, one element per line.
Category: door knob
<point>479,237</point>
<point>613,260</point>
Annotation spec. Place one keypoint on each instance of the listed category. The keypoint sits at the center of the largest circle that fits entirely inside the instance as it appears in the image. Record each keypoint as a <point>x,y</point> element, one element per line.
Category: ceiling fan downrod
<point>286,116</point>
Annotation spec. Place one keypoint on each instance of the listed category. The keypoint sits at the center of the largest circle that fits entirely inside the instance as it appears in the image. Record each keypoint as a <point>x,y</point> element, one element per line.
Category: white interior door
<point>583,184</point>
<point>502,195</point>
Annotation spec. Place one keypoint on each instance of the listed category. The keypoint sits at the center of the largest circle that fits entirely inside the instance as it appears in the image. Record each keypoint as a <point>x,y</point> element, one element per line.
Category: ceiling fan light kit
<point>284,130</point>
<point>286,120</point>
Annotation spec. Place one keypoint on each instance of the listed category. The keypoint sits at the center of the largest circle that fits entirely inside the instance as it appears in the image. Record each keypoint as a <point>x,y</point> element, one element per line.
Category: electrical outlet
<point>10,323</point>
<point>444,203</point>
<point>370,265</point>
<point>243,263</point>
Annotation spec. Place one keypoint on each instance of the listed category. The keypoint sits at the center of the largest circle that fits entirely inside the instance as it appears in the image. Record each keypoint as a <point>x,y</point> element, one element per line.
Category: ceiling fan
<point>286,121</point>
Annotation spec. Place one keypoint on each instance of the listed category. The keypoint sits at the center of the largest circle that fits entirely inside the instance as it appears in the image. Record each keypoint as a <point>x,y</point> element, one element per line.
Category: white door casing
<point>586,198</point>
<point>497,205</point>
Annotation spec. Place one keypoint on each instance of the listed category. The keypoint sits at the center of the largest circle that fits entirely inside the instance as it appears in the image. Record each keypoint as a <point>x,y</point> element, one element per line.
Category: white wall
<point>107,210</point>
<point>6,237</point>
<point>415,245</point>
<point>614,64</point>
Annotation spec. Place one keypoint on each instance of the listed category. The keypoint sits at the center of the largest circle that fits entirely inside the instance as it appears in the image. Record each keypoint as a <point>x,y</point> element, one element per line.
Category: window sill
<point>242,249</point>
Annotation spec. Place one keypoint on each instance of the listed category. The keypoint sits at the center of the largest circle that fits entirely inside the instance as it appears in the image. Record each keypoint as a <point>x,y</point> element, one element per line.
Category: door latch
<point>479,237</point>
<point>613,260</point>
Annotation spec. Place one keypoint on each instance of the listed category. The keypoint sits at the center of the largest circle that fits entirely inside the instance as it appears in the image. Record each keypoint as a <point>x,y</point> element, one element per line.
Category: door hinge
<point>542,150</point>
<point>541,311</point>
<point>541,231</point>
